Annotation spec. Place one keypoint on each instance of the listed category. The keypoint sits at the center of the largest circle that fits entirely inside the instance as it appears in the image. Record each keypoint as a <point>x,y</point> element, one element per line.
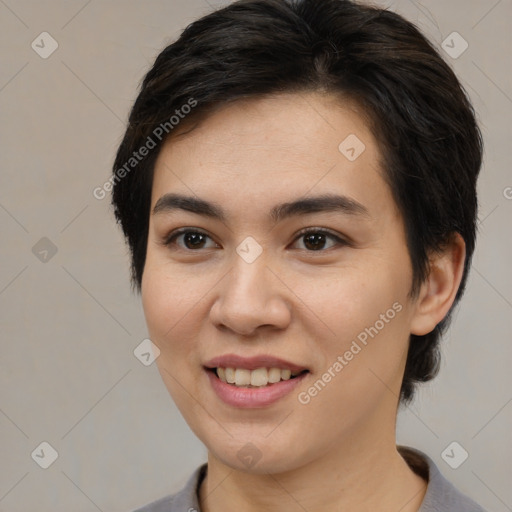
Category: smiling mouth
<point>258,378</point>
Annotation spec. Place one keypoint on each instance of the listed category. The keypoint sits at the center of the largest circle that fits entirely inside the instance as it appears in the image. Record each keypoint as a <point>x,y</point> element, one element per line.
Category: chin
<point>256,455</point>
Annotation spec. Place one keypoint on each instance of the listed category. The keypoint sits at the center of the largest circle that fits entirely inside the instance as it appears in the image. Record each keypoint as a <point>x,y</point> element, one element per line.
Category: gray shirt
<point>441,495</point>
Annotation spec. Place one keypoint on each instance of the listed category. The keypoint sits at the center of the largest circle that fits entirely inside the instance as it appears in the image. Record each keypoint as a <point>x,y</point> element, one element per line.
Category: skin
<point>338,452</point>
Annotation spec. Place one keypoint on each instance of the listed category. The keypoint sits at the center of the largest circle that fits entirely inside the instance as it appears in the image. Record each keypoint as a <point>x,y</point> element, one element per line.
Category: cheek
<point>362,363</point>
<point>171,304</point>
<point>347,300</point>
<point>367,320</point>
<point>169,294</point>
<point>171,310</point>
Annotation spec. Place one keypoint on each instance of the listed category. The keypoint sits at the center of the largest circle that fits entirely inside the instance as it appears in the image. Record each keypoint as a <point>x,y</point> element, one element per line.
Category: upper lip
<point>252,363</point>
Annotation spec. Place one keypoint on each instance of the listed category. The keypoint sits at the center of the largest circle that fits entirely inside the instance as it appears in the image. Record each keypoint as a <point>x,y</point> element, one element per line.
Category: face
<point>290,253</point>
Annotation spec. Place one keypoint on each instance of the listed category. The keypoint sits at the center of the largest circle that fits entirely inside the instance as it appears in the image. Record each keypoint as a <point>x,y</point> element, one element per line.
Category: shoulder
<point>162,505</point>
<point>182,501</point>
<point>441,494</point>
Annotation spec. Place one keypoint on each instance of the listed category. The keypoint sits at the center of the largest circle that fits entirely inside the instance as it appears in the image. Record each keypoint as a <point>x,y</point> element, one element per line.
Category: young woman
<point>297,189</point>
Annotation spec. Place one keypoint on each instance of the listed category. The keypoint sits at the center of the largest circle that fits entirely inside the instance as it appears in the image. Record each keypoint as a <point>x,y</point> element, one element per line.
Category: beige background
<point>69,325</point>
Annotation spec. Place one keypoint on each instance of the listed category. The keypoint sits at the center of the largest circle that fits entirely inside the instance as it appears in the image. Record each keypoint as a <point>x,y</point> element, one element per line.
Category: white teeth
<point>259,377</point>
<point>242,377</point>
<point>274,375</point>
<point>230,375</point>
<point>286,374</point>
<point>253,378</point>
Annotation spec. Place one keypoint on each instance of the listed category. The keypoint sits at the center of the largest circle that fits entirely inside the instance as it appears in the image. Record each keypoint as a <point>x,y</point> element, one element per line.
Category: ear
<point>439,289</point>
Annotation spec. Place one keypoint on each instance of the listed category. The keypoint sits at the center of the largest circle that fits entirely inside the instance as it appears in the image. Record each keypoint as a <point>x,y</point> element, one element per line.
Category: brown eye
<point>194,240</point>
<point>314,241</point>
<point>190,240</point>
<point>318,240</point>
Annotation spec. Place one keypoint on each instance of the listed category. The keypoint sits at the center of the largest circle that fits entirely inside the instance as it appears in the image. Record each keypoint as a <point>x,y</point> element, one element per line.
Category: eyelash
<point>170,239</point>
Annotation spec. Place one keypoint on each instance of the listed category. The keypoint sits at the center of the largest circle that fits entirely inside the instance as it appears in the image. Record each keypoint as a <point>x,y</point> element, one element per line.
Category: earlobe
<point>439,289</point>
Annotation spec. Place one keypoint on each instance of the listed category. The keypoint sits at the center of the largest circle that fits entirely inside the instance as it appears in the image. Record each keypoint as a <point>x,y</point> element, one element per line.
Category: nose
<point>251,297</point>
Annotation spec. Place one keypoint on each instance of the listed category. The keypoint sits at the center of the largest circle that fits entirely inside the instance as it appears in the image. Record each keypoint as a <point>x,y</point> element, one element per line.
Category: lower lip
<point>253,397</point>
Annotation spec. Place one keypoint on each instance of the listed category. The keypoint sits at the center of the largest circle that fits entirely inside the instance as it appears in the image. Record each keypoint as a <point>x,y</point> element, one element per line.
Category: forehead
<point>283,146</point>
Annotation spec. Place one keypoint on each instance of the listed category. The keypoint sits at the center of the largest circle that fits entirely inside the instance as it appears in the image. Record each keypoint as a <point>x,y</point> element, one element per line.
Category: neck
<point>347,477</point>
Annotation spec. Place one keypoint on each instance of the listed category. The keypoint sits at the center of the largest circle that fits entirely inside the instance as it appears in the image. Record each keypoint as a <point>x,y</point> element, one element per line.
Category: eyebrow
<point>316,204</point>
